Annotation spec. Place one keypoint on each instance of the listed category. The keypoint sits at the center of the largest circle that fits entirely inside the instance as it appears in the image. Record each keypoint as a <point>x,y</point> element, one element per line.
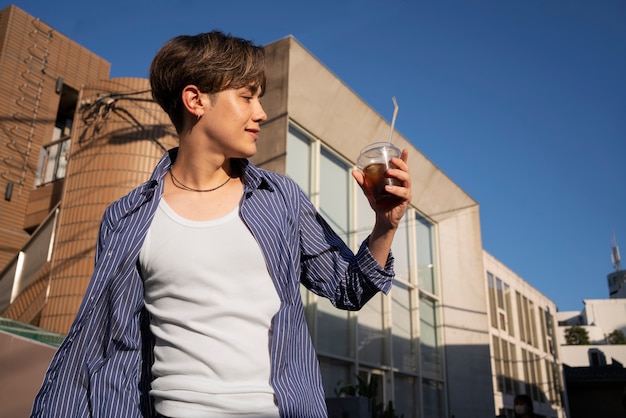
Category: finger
<point>401,163</point>
<point>399,191</point>
<point>358,176</point>
<point>398,173</point>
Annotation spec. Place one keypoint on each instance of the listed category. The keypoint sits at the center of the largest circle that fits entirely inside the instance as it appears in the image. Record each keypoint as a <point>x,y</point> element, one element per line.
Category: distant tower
<point>617,279</point>
<point>617,264</point>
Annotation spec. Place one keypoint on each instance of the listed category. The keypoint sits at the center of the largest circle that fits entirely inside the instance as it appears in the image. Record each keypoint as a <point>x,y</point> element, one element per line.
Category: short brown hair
<point>212,61</point>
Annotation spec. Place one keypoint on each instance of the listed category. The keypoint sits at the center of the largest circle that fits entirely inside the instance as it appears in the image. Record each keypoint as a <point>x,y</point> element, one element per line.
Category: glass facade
<point>393,344</point>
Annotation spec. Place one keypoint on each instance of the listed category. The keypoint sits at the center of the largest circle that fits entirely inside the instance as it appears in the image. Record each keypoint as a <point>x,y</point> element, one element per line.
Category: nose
<point>259,114</point>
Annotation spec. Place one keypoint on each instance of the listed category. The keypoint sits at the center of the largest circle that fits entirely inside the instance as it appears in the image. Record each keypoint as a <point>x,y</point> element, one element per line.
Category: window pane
<point>429,340</point>
<point>335,374</point>
<point>364,217</point>
<point>500,293</point>
<point>507,372</point>
<point>533,323</point>
<point>41,166</point>
<point>527,377</point>
<point>405,396</point>
<point>529,335</point>
<point>299,159</point>
<point>514,365</point>
<point>371,336</point>
<point>493,311</point>
<point>335,193</point>
<point>65,147</point>
<point>509,309</point>
<point>497,361</point>
<point>520,316</point>
<point>400,250</point>
<point>425,267</point>
<point>403,347</point>
<point>433,398</point>
<point>51,163</point>
<point>332,329</point>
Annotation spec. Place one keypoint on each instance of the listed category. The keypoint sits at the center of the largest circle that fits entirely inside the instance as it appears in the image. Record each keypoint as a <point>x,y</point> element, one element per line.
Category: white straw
<point>393,118</point>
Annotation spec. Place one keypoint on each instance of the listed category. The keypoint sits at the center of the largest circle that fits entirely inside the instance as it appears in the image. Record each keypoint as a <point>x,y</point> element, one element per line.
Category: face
<point>231,121</point>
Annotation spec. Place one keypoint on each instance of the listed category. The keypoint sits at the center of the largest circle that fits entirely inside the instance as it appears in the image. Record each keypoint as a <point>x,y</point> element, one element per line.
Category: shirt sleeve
<point>329,268</point>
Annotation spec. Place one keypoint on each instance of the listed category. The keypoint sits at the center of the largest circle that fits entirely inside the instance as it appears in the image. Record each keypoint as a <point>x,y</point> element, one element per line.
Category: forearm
<point>380,241</point>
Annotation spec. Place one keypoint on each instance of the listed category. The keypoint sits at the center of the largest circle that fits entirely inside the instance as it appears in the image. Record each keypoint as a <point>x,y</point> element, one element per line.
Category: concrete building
<point>85,140</point>
<point>599,317</point>
<point>524,349</point>
<point>594,374</point>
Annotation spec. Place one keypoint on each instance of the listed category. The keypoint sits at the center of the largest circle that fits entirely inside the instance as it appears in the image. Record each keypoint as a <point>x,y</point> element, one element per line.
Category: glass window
<point>433,398</point>
<point>556,384</point>
<point>527,374</point>
<point>334,193</point>
<point>374,382</point>
<point>550,381</point>
<point>509,309</point>
<point>506,363</point>
<point>520,316</point>
<point>401,252</point>
<point>540,380</point>
<point>52,162</point>
<point>429,339</point>
<point>514,366</point>
<point>333,330</point>
<point>491,281</point>
<point>371,335</point>
<point>53,157</point>
<point>497,361</point>
<point>533,323</point>
<point>526,311</point>
<point>499,293</point>
<point>62,164</point>
<point>425,258</point>
<point>403,343</point>
<point>364,217</point>
<point>406,396</point>
<point>533,359</point>
<point>299,159</point>
<point>542,322</point>
<point>335,374</point>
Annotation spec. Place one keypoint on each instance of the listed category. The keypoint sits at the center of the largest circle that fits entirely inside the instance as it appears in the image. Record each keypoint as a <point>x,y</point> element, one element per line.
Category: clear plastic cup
<point>373,161</point>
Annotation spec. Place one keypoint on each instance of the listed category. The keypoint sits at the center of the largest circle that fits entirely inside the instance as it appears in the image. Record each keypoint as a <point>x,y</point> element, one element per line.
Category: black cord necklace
<point>183,186</point>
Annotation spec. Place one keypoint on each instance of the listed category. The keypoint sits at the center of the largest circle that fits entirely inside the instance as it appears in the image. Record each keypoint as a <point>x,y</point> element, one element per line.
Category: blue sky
<point>521,103</point>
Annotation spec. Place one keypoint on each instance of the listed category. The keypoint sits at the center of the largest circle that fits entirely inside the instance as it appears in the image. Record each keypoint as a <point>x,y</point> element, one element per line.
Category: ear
<point>193,101</point>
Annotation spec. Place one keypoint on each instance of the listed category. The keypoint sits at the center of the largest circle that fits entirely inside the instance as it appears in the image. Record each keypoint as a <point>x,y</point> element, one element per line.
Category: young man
<point>194,307</point>
<point>523,407</point>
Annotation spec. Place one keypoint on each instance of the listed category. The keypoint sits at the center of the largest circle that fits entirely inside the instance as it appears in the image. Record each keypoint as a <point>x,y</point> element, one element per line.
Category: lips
<point>254,133</point>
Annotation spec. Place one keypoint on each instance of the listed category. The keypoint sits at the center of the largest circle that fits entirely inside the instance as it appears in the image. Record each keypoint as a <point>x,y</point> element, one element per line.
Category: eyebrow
<point>253,87</point>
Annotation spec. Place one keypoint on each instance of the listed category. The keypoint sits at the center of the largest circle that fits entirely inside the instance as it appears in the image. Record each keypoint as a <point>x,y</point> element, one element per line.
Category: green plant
<point>388,412</point>
<point>576,335</point>
<point>616,337</point>
<point>367,390</point>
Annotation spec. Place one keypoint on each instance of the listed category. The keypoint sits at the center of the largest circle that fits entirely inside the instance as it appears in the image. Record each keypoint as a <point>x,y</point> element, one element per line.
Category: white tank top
<point>211,302</point>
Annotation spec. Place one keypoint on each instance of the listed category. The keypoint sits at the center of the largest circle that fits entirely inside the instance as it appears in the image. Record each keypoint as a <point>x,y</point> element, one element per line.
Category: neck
<point>201,170</point>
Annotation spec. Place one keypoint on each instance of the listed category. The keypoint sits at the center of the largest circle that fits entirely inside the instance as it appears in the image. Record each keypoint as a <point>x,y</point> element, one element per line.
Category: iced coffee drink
<point>373,161</point>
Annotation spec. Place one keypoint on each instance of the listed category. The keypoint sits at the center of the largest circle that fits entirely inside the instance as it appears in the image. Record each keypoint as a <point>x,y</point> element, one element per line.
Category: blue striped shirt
<point>102,368</point>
